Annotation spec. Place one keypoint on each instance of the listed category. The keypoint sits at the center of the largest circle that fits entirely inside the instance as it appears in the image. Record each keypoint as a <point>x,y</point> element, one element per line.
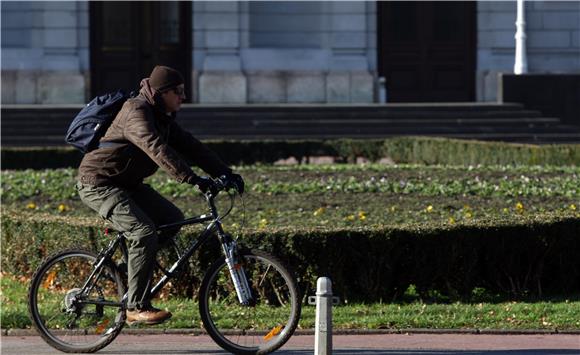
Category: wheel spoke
<point>264,276</point>
<point>261,328</point>
<point>59,307</point>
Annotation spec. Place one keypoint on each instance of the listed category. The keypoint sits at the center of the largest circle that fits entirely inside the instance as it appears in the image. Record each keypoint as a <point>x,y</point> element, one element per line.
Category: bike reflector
<point>275,331</point>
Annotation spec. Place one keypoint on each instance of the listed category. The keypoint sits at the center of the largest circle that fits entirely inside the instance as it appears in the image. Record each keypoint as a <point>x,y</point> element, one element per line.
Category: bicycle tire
<point>277,307</point>
<point>52,302</point>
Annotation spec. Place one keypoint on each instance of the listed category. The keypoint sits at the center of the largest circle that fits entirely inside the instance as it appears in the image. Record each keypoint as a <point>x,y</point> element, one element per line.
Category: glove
<point>236,181</point>
<point>204,184</point>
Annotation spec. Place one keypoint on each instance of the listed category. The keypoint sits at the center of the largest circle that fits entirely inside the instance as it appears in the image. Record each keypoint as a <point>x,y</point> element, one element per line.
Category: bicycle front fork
<point>237,271</point>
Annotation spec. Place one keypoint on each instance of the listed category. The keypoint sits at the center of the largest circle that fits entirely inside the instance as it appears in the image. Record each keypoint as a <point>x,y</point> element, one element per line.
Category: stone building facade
<point>269,52</point>
<point>553,40</point>
<point>45,52</point>
<point>284,52</point>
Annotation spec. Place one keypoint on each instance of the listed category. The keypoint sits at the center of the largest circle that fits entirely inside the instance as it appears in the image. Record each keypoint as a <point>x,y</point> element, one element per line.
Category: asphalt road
<point>389,344</point>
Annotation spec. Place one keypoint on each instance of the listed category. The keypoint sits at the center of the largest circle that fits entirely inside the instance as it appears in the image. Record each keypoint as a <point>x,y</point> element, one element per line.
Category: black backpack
<point>91,123</point>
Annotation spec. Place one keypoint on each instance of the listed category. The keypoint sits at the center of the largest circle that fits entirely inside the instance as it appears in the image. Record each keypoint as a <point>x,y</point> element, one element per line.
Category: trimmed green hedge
<point>421,150</point>
<point>467,152</point>
<point>526,256</point>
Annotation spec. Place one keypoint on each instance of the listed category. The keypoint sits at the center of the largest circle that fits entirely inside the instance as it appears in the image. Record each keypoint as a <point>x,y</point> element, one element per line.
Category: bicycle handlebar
<point>221,184</point>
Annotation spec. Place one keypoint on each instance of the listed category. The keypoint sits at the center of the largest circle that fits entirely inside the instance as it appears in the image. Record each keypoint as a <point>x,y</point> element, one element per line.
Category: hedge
<point>423,150</point>
<point>522,257</point>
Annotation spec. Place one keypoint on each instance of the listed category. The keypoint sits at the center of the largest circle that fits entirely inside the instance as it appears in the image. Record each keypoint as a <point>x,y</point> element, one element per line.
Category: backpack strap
<point>110,144</point>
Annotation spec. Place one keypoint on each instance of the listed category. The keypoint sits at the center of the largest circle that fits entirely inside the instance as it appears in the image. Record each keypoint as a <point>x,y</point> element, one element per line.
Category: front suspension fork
<point>237,273</point>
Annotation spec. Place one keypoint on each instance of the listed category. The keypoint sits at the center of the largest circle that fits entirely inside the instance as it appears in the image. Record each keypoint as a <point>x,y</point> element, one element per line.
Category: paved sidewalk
<point>389,344</point>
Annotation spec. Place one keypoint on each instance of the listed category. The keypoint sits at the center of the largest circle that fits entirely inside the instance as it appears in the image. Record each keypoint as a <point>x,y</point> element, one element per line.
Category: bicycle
<point>77,299</point>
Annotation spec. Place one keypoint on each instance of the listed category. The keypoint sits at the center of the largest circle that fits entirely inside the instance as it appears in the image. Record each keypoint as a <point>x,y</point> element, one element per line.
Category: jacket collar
<point>153,97</point>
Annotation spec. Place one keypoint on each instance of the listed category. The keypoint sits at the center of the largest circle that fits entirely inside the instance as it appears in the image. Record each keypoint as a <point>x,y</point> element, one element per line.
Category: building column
<point>45,57</point>
<point>349,79</point>
<point>217,27</point>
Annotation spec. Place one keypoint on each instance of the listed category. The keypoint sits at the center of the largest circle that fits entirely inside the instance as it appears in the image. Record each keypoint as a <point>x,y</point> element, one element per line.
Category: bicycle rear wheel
<point>265,325</point>
<point>68,320</point>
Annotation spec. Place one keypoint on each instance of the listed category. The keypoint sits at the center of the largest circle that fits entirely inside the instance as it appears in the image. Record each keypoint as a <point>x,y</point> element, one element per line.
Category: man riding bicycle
<point>143,137</point>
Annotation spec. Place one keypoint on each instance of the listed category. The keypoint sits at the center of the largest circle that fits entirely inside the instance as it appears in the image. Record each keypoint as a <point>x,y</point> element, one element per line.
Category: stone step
<point>370,132</point>
<point>47,124</point>
<point>287,117</point>
<point>375,122</point>
<point>535,137</point>
<point>23,126</point>
<point>322,130</point>
<point>61,117</point>
<point>348,115</point>
<point>386,109</point>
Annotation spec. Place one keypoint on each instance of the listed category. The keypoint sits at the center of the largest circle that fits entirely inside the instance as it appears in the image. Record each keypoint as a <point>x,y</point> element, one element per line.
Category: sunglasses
<point>179,91</point>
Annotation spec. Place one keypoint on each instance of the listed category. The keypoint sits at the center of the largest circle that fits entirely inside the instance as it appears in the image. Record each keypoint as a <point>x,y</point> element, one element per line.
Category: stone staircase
<point>46,125</point>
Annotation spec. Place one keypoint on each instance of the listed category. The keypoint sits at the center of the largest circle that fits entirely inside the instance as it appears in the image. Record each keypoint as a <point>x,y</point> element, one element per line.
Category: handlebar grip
<point>223,183</point>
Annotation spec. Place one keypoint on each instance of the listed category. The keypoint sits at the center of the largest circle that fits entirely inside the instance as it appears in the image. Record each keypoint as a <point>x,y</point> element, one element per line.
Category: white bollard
<point>323,332</point>
<point>382,90</point>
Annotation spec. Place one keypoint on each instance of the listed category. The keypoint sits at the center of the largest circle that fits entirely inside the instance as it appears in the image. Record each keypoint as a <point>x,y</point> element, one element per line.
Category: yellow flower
<point>506,211</point>
<point>573,207</point>
<point>263,223</point>
<point>349,218</point>
<point>362,215</point>
<point>319,211</point>
<point>468,215</point>
<point>31,206</point>
<point>451,220</point>
<point>429,209</point>
<point>62,208</point>
<point>519,206</point>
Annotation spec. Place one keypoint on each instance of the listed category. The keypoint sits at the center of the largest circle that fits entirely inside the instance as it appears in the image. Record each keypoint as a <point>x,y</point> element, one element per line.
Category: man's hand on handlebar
<point>204,184</point>
<point>234,181</point>
<point>224,182</point>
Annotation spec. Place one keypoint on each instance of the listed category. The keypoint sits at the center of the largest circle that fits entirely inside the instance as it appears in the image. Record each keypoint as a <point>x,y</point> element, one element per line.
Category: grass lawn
<point>561,314</point>
<point>340,195</point>
<point>348,195</point>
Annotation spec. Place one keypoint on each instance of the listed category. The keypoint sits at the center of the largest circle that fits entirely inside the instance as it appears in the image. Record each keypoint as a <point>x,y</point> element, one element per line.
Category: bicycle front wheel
<point>71,312</point>
<point>259,328</point>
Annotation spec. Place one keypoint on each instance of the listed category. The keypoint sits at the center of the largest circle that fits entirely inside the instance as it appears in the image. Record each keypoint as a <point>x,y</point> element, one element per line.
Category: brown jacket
<point>146,138</point>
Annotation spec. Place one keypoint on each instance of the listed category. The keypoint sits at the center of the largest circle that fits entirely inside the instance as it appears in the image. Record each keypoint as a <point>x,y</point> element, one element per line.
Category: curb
<point>197,331</point>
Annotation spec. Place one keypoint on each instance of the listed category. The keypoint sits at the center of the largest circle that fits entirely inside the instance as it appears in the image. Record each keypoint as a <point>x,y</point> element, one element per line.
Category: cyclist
<point>143,137</point>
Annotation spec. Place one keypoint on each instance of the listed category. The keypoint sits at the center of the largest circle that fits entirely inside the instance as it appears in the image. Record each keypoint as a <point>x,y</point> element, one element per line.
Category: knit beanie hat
<point>163,78</point>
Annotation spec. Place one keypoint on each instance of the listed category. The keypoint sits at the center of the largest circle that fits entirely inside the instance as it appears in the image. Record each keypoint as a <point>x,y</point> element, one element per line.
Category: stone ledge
<point>555,95</point>
<point>43,87</point>
<point>198,331</point>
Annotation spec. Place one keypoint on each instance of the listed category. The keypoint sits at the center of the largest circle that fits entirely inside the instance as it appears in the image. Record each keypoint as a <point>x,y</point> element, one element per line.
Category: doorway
<point>427,50</point>
<point>129,38</point>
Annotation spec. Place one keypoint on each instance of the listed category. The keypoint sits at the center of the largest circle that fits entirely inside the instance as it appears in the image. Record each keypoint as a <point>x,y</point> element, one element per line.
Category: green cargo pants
<point>136,213</point>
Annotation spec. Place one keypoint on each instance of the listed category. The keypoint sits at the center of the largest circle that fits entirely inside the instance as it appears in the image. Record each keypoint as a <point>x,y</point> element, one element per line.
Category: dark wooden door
<point>129,38</point>
<point>427,50</point>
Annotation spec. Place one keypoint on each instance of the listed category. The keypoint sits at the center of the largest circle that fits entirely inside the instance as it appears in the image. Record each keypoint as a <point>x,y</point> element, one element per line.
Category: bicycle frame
<point>215,227</point>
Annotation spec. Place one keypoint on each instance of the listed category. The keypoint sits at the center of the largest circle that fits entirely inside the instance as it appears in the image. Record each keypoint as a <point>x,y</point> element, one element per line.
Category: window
<point>286,24</point>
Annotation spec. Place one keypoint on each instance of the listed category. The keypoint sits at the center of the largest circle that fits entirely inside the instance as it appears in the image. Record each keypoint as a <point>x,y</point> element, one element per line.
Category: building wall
<point>287,52</point>
<point>45,51</point>
<point>553,44</point>
<point>255,53</point>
